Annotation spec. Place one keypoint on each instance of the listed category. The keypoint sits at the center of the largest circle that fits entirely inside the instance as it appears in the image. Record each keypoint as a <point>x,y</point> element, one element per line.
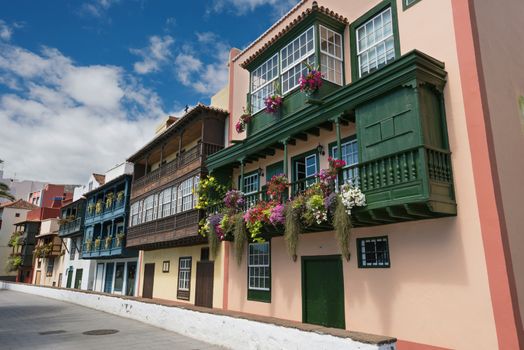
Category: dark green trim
<point>359,253</point>
<point>357,23</point>
<point>279,164</point>
<point>405,6</point>
<point>303,282</point>
<point>303,155</point>
<point>342,141</point>
<point>259,295</point>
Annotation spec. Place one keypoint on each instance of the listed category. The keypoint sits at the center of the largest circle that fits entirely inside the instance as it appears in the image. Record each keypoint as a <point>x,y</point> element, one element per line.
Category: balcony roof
<point>192,115</point>
<point>293,24</point>
<point>74,204</point>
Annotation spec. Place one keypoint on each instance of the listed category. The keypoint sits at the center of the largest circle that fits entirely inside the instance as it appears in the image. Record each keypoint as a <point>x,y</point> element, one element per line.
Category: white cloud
<point>97,8</point>
<point>242,7</point>
<point>5,31</point>
<point>154,56</point>
<point>206,78</point>
<point>67,120</point>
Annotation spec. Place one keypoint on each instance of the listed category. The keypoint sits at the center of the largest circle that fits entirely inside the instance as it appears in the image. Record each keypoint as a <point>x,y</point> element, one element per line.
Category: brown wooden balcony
<point>175,230</point>
<point>183,164</point>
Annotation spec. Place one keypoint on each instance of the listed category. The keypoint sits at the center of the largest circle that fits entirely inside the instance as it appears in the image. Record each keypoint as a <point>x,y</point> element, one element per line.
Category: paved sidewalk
<point>23,317</point>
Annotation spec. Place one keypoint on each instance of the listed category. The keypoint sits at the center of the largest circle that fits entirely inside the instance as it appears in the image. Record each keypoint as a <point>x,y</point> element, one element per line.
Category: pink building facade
<point>454,280</point>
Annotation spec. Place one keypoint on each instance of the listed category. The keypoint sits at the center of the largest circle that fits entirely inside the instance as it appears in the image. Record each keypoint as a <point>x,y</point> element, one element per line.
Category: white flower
<point>352,197</point>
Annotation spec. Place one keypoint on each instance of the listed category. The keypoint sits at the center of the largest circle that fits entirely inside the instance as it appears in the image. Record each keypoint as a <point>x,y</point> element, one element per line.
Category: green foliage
<point>210,193</point>
<point>14,261</point>
<point>120,196</point>
<point>4,192</point>
<point>343,226</point>
<point>15,240</point>
<point>240,237</point>
<point>99,206</point>
<point>292,229</point>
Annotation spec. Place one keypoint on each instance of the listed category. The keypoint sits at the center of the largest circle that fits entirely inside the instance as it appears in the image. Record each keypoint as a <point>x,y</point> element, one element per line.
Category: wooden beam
<point>268,151</point>
<point>278,146</point>
<point>398,213</point>
<point>416,212</point>
<point>314,131</point>
<point>292,142</point>
<point>301,136</point>
<point>327,126</point>
<point>380,215</point>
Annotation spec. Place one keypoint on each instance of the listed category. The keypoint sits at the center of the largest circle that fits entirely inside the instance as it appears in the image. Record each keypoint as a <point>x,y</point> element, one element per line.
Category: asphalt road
<point>32,322</point>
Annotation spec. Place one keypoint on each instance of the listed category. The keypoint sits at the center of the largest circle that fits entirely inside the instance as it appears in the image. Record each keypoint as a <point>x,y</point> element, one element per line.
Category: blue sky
<point>83,83</point>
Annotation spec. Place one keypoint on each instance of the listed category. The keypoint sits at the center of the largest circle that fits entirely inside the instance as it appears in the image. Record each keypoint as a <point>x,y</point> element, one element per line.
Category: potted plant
<point>97,243</point>
<point>89,244</point>
<point>91,208</point>
<point>277,185</point>
<point>312,81</point>
<point>108,240</point>
<point>120,238</point>
<point>99,206</point>
<point>274,102</point>
<point>244,120</point>
<point>120,197</point>
<point>109,199</point>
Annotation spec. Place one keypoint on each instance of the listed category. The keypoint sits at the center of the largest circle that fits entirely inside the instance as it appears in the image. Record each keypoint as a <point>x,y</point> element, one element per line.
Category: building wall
<point>100,268</point>
<point>88,267</point>
<point>9,218</point>
<point>165,283</point>
<point>53,280</point>
<point>503,73</point>
<point>438,267</point>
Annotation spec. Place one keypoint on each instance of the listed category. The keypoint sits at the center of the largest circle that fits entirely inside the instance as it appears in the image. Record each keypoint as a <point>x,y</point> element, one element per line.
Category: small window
<point>250,183</point>
<point>350,156</point>
<point>184,278</point>
<point>408,3</point>
<point>165,266</point>
<point>50,266</point>
<point>373,252</point>
<point>331,55</point>
<point>262,79</point>
<point>375,43</point>
<point>259,272</point>
<point>17,215</point>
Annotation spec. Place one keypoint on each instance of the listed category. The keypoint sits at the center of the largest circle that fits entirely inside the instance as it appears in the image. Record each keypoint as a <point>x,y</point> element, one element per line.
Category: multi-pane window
<point>174,193</point>
<point>195,188</point>
<point>350,156</point>
<point>72,249</point>
<point>148,206</point>
<point>375,43</point>
<point>373,252</point>
<point>311,165</point>
<point>184,274</point>
<point>259,266</point>
<point>185,195</point>
<point>50,267</point>
<point>165,203</point>
<point>293,54</point>
<point>331,55</point>
<point>262,80</point>
<point>250,183</point>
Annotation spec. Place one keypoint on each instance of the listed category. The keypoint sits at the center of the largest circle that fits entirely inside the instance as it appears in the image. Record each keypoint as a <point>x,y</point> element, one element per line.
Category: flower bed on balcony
<point>317,207</point>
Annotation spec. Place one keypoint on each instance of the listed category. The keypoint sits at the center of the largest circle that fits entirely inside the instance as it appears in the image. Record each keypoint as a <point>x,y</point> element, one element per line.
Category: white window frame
<point>254,266</point>
<point>375,44</point>
<point>174,202</point>
<point>246,178</point>
<point>184,273</point>
<point>332,56</point>
<point>185,195</point>
<point>353,177</point>
<point>298,61</point>
<point>268,84</point>
<point>165,203</point>
<point>314,156</point>
<point>135,209</point>
<point>149,203</point>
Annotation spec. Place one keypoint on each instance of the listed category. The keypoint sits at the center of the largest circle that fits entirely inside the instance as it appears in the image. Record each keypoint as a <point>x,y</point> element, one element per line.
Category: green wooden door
<point>274,169</point>
<point>323,291</point>
<point>69,277</point>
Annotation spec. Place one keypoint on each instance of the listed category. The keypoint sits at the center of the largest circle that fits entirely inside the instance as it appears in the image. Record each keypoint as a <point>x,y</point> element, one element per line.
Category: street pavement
<point>32,322</point>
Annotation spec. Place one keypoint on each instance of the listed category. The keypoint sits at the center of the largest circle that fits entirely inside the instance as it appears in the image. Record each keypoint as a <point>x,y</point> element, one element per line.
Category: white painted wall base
<point>221,330</point>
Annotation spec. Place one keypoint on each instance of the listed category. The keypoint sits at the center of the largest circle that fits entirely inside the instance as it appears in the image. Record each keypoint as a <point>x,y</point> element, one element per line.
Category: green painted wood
<point>69,278</point>
<point>292,102</point>
<point>274,169</point>
<point>78,278</point>
<point>323,291</point>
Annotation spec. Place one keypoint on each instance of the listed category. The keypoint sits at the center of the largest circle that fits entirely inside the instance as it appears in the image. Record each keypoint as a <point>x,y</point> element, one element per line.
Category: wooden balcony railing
<point>170,171</point>
<point>70,227</point>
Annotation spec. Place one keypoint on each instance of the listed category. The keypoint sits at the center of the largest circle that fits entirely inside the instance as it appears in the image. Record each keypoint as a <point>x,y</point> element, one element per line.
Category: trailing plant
<point>292,229</point>
<point>255,219</point>
<point>91,208</point>
<point>277,215</point>
<point>89,244</point>
<point>276,186</point>
<point>240,237</point>
<point>99,207</point>
<point>352,197</point>
<point>120,238</point>
<point>108,241</point>
<point>120,196</point>
<point>43,250</point>
<point>109,199</point>
<point>15,240</point>
<point>66,220</point>
<point>14,261</point>
<point>234,200</point>
<point>97,243</point>
<point>274,102</point>
<point>244,120</point>
<point>342,225</point>
<point>213,241</point>
<point>210,193</point>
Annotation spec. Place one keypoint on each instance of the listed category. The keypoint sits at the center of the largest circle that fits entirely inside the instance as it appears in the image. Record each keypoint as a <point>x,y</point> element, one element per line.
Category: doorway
<point>323,291</point>
<point>204,283</point>
<point>69,277</point>
<point>37,277</point>
<point>108,282</point>
<point>99,278</point>
<point>149,277</point>
<point>78,278</point>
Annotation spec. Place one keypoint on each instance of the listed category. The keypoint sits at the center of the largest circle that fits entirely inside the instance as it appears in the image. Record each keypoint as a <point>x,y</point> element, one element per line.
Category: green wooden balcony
<point>405,164</point>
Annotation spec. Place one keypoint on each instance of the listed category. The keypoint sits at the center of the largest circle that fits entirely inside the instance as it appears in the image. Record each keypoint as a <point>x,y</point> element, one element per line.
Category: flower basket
<point>120,239</point>
<point>120,197</point>
<point>109,199</point>
<point>89,245</point>
<point>97,243</point>
<point>99,207</point>
<point>273,104</point>
<point>108,241</point>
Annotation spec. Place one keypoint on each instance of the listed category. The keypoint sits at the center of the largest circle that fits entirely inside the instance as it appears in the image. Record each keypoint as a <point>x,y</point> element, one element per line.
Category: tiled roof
<point>19,204</point>
<point>294,23</point>
<point>101,179</point>
<point>200,107</point>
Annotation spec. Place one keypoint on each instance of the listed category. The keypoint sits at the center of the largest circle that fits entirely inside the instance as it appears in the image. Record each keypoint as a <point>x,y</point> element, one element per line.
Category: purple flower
<point>277,215</point>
